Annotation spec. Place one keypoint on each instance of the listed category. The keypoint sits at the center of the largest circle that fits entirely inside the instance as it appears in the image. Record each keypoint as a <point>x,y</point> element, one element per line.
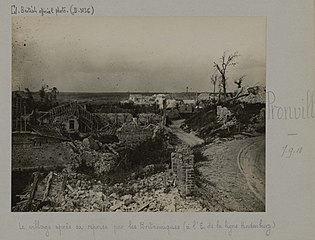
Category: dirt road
<point>188,138</point>
<point>251,160</point>
<point>233,175</point>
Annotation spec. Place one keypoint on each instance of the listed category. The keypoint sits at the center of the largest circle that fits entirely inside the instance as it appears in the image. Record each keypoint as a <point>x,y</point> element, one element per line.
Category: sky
<point>136,54</point>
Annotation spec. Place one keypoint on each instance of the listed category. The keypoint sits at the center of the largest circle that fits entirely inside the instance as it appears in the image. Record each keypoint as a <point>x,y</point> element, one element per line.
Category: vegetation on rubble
<point>245,117</point>
<point>148,158</point>
<point>93,158</point>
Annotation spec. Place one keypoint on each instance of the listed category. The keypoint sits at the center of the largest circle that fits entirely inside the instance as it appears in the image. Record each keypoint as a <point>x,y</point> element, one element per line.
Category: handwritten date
<point>291,151</point>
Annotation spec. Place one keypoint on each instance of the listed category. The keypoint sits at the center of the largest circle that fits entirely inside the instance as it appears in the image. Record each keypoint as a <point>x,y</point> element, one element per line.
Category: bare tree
<point>222,66</point>
<point>214,80</point>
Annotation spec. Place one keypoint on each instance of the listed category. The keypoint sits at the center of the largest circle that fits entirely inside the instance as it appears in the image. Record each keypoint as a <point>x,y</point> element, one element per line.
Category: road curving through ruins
<point>251,162</point>
<point>188,138</point>
<point>233,176</point>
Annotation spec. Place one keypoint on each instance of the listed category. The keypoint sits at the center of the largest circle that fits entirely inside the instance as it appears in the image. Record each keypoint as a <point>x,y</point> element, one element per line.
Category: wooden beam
<point>28,205</point>
<point>48,184</point>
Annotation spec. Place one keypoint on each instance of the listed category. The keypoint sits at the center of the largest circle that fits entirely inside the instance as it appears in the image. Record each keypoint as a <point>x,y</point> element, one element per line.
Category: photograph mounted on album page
<point>148,120</point>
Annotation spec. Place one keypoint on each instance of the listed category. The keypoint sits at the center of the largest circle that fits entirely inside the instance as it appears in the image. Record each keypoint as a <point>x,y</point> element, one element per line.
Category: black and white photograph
<point>138,114</point>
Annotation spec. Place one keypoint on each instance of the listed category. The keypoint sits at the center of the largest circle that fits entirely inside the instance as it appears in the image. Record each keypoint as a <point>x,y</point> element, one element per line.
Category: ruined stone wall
<point>33,139</point>
<point>133,134</point>
<point>183,167</point>
<point>121,118</point>
<point>149,118</point>
<point>30,150</point>
<point>116,118</point>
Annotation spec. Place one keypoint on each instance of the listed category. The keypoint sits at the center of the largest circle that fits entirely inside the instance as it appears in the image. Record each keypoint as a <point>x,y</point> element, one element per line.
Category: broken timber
<point>74,108</point>
<point>144,206</point>
<point>48,184</point>
<point>32,194</point>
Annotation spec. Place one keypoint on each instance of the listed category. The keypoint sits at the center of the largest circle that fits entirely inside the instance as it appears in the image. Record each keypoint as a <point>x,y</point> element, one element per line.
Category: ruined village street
<point>188,138</point>
<point>233,171</point>
<point>138,123</point>
<point>233,175</point>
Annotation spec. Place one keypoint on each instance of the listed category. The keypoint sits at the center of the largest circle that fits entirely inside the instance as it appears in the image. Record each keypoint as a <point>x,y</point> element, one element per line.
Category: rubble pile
<point>257,94</point>
<point>218,121</point>
<point>90,153</point>
<point>71,191</point>
<point>223,114</point>
<point>129,175</point>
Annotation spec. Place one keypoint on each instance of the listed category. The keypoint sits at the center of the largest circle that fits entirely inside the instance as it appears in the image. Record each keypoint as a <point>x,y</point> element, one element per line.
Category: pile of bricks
<point>183,168</point>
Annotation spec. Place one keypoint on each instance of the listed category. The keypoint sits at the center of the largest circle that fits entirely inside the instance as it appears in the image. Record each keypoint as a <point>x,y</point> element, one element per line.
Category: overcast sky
<point>105,54</point>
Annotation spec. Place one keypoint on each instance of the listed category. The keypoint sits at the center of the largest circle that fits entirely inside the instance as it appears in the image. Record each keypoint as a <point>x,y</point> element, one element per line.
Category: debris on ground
<point>80,193</point>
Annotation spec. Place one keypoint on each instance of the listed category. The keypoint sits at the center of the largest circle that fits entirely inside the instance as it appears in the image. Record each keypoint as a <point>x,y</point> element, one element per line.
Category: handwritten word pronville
<point>303,110</point>
<point>52,10</point>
